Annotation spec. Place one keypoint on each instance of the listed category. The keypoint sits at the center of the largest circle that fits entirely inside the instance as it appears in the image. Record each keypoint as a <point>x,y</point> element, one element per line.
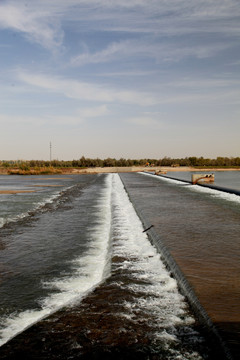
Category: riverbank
<point>99,170</point>
<point>144,168</point>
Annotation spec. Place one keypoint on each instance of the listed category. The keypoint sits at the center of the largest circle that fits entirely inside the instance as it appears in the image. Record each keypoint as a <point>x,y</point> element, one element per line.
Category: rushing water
<point>74,252</point>
<point>55,260</point>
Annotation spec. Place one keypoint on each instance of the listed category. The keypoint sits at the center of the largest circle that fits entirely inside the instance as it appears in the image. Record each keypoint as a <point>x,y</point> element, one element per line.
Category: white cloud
<point>43,21</point>
<point>36,24</point>
<point>108,54</point>
<point>86,91</point>
<point>156,17</point>
<point>80,116</point>
<point>149,49</point>
<point>192,91</point>
<point>199,51</point>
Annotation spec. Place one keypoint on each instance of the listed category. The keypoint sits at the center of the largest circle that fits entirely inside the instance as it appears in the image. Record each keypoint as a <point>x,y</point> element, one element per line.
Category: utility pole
<point>50,151</point>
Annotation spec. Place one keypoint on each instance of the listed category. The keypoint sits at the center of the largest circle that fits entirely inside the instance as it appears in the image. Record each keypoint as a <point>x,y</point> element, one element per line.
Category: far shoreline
<point>99,170</point>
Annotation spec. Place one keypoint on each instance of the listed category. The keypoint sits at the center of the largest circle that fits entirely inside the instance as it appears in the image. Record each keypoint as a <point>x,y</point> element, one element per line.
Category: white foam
<point>206,190</point>
<point>173,181</point>
<point>216,193</point>
<point>157,296</point>
<point>88,272</point>
<point>14,325</point>
<point>35,206</point>
<point>2,222</point>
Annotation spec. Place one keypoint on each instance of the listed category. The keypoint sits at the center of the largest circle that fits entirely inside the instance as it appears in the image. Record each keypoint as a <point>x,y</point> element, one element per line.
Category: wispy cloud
<point>43,21</point>
<point>34,22</point>
<point>86,91</point>
<point>108,54</point>
<point>205,84</point>
<point>141,64</point>
<point>180,91</point>
<point>165,18</point>
<point>149,49</point>
<point>81,116</point>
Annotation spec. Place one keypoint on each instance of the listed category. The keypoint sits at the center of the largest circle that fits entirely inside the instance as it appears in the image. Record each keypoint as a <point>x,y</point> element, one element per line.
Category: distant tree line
<point>87,162</point>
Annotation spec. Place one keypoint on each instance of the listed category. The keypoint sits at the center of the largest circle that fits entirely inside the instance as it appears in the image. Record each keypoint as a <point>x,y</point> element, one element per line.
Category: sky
<point>121,79</point>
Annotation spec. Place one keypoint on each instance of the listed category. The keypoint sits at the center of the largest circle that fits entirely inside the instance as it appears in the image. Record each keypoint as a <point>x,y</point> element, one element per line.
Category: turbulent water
<point>74,250</point>
<point>57,259</point>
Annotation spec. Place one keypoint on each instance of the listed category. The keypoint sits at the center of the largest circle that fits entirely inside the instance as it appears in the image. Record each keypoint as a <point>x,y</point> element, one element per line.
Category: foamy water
<point>201,189</point>
<point>216,193</point>
<point>117,231</point>
<point>157,294</point>
<point>32,207</point>
<point>87,272</point>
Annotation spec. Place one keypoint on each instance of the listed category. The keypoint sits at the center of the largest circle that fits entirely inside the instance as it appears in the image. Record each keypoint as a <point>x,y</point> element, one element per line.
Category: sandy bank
<point>15,191</point>
<point>48,185</point>
<point>99,170</point>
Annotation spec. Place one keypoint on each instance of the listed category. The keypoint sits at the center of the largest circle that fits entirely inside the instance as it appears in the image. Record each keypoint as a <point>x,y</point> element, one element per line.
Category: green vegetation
<point>56,166</point>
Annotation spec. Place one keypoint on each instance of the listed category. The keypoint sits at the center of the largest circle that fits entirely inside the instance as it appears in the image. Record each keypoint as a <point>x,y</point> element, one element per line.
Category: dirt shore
<point>15,191</point>
<point>99,170</point>
<point>167,169</point>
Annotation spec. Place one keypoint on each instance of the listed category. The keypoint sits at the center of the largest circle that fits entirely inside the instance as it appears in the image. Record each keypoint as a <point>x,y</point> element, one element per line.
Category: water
<point>51,251</point>
<point>76,252</point>
<point>32,193</point>
<point>200,227</point>
<point>227,179</point>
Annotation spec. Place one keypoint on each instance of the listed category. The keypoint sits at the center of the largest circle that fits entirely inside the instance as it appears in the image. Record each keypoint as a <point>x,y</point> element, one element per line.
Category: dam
<point>100,289</point>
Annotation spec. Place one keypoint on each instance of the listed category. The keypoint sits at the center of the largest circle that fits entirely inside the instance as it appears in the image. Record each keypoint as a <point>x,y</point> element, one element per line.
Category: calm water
<point>201,228</point>
<point>75,262</point>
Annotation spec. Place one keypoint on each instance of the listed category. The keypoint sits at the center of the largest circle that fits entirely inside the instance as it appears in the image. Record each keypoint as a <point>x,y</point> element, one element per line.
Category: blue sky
<point>132,79</point>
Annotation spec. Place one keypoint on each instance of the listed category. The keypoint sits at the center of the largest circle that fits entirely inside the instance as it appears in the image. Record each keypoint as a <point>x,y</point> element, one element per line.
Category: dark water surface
<point>80,279</point>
